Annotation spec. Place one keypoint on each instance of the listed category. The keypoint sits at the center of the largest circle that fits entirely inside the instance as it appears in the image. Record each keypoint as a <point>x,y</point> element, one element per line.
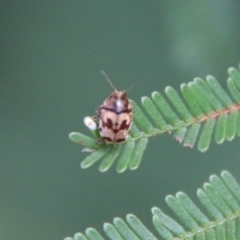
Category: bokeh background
<point>50,61</point>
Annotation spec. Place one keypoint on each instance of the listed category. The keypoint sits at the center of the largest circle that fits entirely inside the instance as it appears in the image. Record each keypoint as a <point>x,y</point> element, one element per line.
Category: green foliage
<point>220,199</point>
<point>204,110</point>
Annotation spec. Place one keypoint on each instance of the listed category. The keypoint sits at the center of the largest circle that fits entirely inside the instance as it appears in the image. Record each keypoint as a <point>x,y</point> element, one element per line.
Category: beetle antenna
<point>108,79</point>
<point>133,86</point>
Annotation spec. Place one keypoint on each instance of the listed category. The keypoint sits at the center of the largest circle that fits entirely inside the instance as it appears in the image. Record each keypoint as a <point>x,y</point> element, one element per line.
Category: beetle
<point>115,115</point>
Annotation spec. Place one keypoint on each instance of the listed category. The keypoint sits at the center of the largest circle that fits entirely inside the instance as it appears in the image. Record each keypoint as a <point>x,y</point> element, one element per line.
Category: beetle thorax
<point>117,101</point>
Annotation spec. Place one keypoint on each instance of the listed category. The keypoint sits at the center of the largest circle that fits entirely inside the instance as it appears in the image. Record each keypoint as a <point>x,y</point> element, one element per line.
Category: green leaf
<point>93,234</point>
<point>125,156</point>
<point>153,113</point>
<point>218,197</point>
<point>208,95</point>
<point>79,236</point>
<point>83,140</point>
<point>207,110</point>
<point>192,209</point>
<point>192,101</point>
<point>220,232</point>
<point>219,92</point>
<point>180,134</point>
<point>178,104</point>
<point>200,236</point>
<point>109,158</point>
<point>111,232</point>
<point>221,128</point>
<point>162,231</point>
<point>219,186</point>
<point>92,158</point>
<point>231,184</point>
<point>137,153</point>
<point>210,234</point>
<point>231,127</point>
<point>191,135</point>
<point>168,222</point>
<point>233,90</point>
<point>141,119</point>
<point>206,135</point>
<point>238,228</point>
<point>230,230</point>
<point>165,109</point>
<point>209,206</point>
<point>217,200</point>
<point>199,93</point>
<point>139,228</point>
<point>134,131</point>
<point>179,210</point>
<point>124,230</point>
<point>238,124</point>
<point>235,75</point>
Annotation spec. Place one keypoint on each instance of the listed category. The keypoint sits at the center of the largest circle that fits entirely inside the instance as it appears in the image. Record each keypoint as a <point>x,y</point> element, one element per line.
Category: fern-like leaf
<point>204,110</point>
<point>220,198</point>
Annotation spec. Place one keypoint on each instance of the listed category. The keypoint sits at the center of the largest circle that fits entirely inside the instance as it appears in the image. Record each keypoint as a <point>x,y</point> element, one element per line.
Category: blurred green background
<point>51,56</point>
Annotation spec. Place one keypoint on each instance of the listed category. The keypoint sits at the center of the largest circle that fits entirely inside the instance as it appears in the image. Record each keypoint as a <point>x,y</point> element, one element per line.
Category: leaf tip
<point>79,236</point>
<point>106,226</point>
<point>129,217</point>
<point>188,145</point>
<point>89,150</point>
<point>154,94</point>
<point>213,178</point>
<point>180,194</point>
<point>132,168</point>
<point>199,192</point>
<point>178,139</point>
<point>71,135</point>
<point>169,198</point>
<point>225,173</point>
<point>117,220</point>
<point>155,210</point>
<point>203,149</point>
<point>68,238</point>
<point>121,170</point>
<point>231,70</point>
<point>197,79</point>
<point>168,88</point>
<point>210,78</point>
<point>83,166</point>
<point>191,84</point>
<point>143,98</point>
<point>103,169</point>
<point>183,85</point>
